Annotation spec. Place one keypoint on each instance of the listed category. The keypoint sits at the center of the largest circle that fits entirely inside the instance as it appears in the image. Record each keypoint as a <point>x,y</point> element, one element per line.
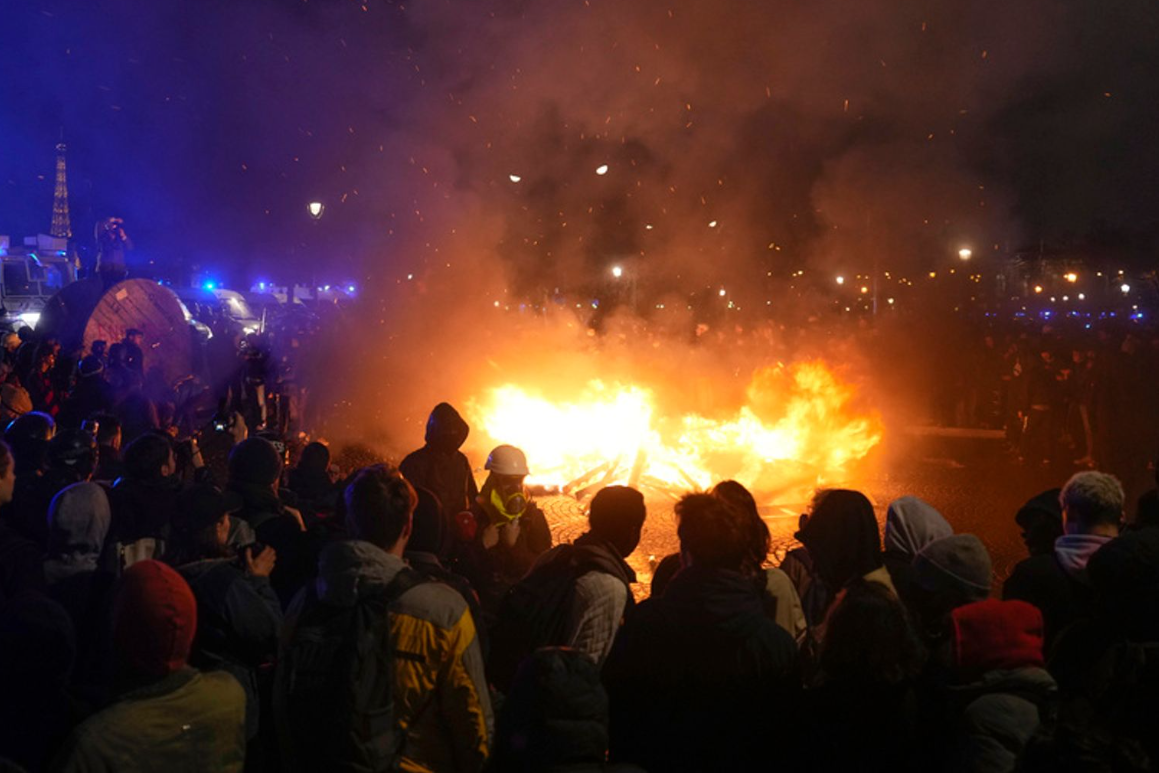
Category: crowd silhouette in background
<point>219,596</point>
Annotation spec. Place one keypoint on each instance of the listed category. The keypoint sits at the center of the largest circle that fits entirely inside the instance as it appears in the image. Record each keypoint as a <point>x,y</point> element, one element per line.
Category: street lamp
<point>840,280</point>
<point>1072,277</point>
<point>1126,288</point>
<point>965,253</point>
<point>617,271</point>
<point>316,208</point>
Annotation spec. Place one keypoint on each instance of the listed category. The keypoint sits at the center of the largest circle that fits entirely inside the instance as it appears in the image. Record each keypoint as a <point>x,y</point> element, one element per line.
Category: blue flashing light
<point>1087,326</point>
<point>209,285</point>
<point>61,253</point>
<point>350,289</point>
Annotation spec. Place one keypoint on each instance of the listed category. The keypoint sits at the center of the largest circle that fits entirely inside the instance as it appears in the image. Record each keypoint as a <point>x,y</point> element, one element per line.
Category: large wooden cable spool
<point>81,313</point>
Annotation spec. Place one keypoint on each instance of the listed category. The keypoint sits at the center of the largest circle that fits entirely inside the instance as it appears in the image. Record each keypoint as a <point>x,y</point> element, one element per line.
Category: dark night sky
<point>208,125</point>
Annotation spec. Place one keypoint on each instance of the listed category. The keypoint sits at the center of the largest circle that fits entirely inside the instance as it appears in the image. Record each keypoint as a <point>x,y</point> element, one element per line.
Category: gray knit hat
<point>958,565</point>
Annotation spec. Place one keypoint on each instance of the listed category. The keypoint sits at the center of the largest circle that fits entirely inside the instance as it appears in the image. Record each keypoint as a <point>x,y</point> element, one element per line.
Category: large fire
<point>798,430</point>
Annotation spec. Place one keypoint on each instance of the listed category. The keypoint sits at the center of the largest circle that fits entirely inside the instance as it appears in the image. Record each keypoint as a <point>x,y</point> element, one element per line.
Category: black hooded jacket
<point>440,466</point>
<point>697,675</point>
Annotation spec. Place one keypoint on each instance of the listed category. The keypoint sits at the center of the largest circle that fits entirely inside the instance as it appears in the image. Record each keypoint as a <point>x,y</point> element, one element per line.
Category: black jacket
<point>1041,581</point>
<point>238,619</point>
<point>439,465</point>
<point>696,677</point>
<point>297,550</point>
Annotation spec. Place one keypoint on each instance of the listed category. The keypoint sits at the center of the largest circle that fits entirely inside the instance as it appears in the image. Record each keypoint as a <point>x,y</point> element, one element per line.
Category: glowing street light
<point>722,292</point>
<point>840,280</point>
<point>602,169</point>
<point>1038,288</point>
<point>1126,288</point>
<point>864,289</point>
<point>316,208</point>
<point>1072,277</point>
<point>617,271</point>
<point>965,253</point>
<point>514,178</point>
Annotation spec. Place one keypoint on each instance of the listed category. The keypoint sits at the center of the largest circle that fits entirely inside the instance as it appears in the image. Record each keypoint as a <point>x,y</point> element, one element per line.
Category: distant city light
<point>965,253</point>
<point>1038,288</point>
<point>514,178</point>
<point>1082,297</point>
<point>889,301</point>
<point>602,169</point>
<point>350,288</point>
<point>410,276</point>
<point>712,224</point>
<point>648,227</point>
<point>933,275</point>
<point>1126,288</point>
<point>722,292</point>
<point>864,289</point>
<point>840,279</point>
<point>617,271</point>
<point>1072,277</point>
<point>315,208</point>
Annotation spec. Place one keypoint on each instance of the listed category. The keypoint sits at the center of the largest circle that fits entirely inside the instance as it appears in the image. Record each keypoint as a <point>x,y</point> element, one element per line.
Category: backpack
<point>534,613</point>
<point>335,683</point>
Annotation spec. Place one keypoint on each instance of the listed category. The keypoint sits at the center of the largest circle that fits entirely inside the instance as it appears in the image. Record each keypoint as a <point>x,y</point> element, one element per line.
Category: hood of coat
<point>154,619</point>
<point>842,538</point>
<point>995,635</point>
<point>78,521</point>
<point>1073,551</point>
<point>1031,683</point>
<point>446,429</point>
<point>911,524</point>
<point>348,568</point>
<point>604,556</point>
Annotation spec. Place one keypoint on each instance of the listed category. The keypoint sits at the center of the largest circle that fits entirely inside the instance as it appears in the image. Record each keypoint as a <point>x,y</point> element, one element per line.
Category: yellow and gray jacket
<point>440,691</point>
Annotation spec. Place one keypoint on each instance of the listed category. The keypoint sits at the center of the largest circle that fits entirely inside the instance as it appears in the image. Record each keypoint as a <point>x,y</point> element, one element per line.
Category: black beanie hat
<point>255,461</point>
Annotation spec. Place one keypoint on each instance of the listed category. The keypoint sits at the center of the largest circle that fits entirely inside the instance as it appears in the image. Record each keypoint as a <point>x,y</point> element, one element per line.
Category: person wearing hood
<point>239,612</point>
<point>167,715</point>
<point>910,525</point>
<point>1040,520</point>
<point>440,466</point>
<point>697,675</point>
<point>510,531</point>
<point>555,718</point>
<point>439,699</point>
<point>1000,690</point>
<point>1057,583</point>
<point>78,522</point>
<point>948,573</point>
<point>92,394</point>
<point>255,470</point>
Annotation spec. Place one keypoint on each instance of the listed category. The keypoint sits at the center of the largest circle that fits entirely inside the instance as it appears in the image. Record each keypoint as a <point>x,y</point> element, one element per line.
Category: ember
<point>798,429</point>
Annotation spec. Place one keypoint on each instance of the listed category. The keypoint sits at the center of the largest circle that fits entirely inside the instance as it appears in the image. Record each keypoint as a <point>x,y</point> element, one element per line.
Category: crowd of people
<point>1062,394</point>
<point>251,607</point>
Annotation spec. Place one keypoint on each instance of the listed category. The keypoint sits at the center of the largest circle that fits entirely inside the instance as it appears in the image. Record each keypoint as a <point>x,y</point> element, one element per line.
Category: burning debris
<point>800,427</point>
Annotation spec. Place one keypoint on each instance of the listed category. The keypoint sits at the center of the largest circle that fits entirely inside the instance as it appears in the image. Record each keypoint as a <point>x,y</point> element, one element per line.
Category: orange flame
<point>796,432</point>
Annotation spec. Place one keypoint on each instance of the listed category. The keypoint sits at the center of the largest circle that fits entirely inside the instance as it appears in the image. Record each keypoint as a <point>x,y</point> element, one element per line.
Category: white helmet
<point>507,460</point>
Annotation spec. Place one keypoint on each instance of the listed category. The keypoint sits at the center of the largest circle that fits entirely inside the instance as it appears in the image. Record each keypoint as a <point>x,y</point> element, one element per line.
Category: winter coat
<point>600,599</point>
<point>238,620</point>
<point>187,721</point>
<point>297,550</point>
<point>1057,583</point>
<point>492,571</point>
<point>697,675</point>
<point>440,693</point>
<point>1001,690</point>
<point>429,567</point>
<point>439,465</point>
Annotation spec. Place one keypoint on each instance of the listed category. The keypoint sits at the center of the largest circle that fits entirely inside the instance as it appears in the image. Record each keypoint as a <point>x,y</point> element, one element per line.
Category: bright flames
<point>797,431</point>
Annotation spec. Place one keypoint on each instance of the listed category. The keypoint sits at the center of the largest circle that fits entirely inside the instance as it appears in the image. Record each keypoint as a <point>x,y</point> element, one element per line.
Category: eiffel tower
<point>61,225</point>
